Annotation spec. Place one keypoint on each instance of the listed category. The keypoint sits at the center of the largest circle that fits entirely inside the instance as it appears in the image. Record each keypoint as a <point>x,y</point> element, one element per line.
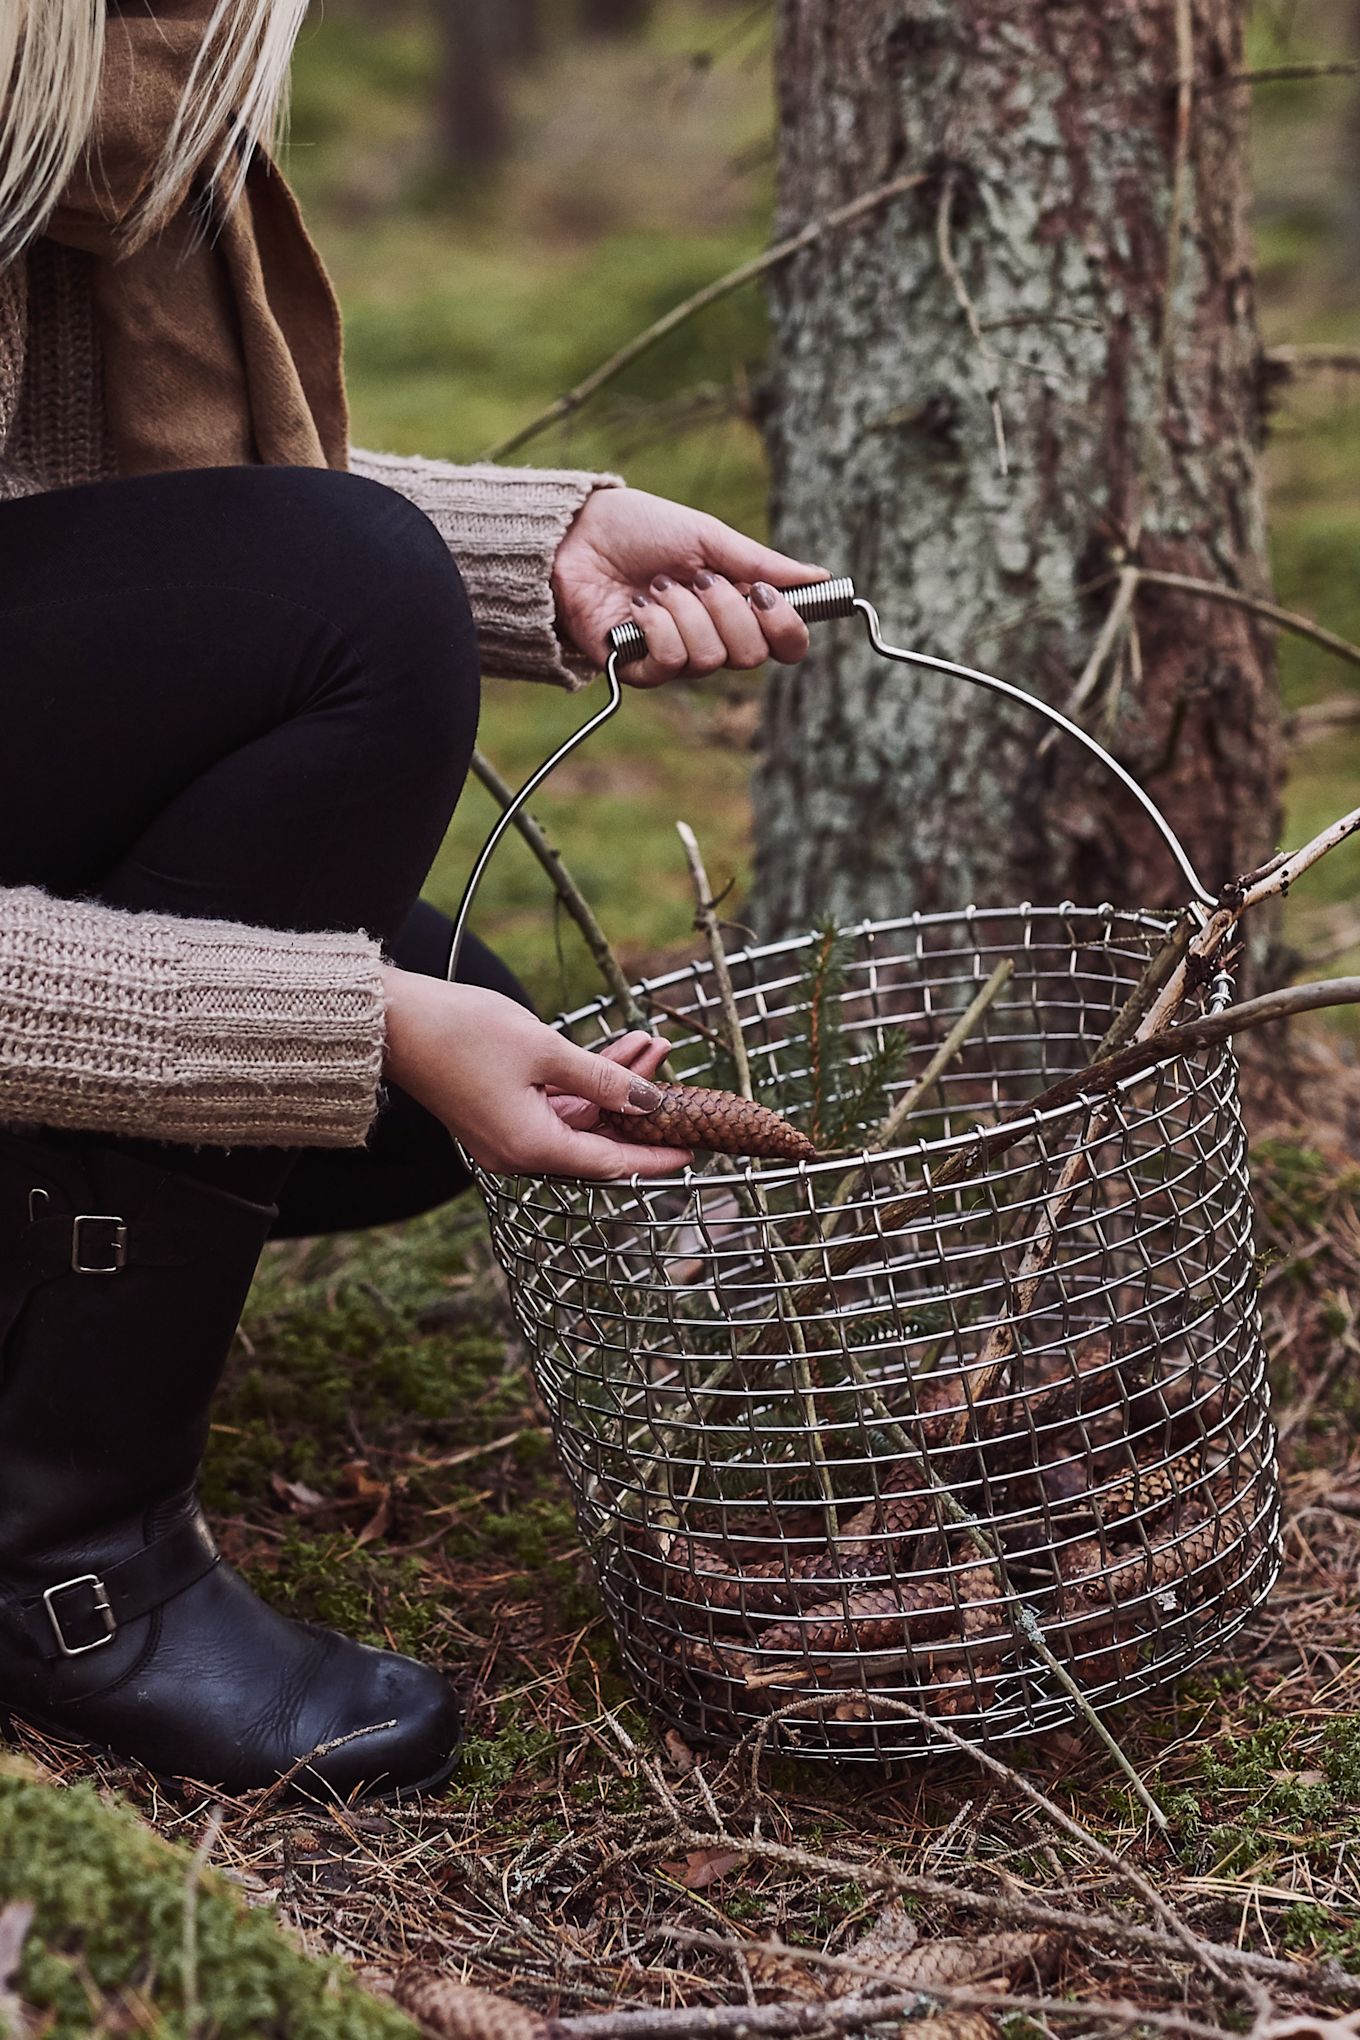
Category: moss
<point>106,1950</point>
<point>514,1751</point>
<point>1308,1929</point>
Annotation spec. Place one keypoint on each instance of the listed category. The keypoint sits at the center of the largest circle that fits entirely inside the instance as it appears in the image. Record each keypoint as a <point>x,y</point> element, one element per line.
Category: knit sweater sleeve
<point>503,526</point>
<point>185,1030</point>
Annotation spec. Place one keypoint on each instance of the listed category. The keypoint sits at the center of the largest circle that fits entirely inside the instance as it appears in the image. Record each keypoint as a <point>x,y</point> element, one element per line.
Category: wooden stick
<point>1338,712</point>
<point>1185,100</point>
<point>1280,74</point>
<point>959,1034</point>
<point>993,1142</point>
<point>706,920</point>
<point>568,891</point>
<point>986,353</point>
<point>1116,616</point>
<point>1008,1907</point>
<point>723,286</point>
<point>1294,360</point>
<point>749,1196</point>
<point>963,1995</point>
<point>1121,1865</point>
<point>1255,605</point>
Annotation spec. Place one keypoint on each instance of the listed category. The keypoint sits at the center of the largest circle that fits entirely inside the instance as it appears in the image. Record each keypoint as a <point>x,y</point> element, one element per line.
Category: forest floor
<point>380,1461</point>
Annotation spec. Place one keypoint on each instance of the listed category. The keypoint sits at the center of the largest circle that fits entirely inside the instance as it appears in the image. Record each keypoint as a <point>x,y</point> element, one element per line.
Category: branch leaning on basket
<point>947,1052</point>
<point>570,894</point>
<point>1153,1041</point>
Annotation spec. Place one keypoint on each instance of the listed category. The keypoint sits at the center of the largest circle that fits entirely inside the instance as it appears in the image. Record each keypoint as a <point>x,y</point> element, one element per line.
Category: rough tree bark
<point>1132,422</point>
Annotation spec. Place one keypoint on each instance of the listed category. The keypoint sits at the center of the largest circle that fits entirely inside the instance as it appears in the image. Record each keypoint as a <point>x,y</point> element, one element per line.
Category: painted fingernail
<point>703,579</point>
<point>639,602</point>
<point>661,582</point>
<point>763,595</point>
<point>644,1096</point>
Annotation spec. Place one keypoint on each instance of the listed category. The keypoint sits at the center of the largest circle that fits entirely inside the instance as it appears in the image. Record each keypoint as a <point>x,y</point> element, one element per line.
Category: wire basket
<point>867,1440</point>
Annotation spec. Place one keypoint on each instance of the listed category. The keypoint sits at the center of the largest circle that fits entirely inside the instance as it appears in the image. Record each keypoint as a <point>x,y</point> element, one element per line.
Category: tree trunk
<point>473,119</point>
<point>521,30</point>
<point>614,17</point>
<point>1048,130</point>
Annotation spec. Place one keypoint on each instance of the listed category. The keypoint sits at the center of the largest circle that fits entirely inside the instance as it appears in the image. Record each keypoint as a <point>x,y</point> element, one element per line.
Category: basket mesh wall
<point>844,1434</point>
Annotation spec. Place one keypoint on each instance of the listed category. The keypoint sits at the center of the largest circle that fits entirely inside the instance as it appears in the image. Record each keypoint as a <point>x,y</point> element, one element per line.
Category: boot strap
<point>102,1243</point>
<point>85,1612</point>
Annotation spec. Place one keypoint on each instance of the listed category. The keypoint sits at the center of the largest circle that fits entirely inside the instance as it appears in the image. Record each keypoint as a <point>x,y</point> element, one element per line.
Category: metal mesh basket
<point>866,1432</point>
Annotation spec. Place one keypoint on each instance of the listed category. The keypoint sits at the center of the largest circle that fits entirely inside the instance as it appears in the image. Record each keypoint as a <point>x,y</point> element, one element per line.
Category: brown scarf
<point>220,348</point>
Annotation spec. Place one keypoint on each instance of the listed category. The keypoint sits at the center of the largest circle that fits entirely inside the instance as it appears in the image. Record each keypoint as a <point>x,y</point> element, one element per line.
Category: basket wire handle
<point>817,603</point>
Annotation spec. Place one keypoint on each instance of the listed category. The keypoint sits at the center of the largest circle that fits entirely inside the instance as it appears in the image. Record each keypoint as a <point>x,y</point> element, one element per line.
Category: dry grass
<point>583,1863</point>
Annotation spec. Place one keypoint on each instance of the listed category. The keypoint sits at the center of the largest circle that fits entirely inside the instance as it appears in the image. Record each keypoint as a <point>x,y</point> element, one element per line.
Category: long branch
<point>568,891</point>
<point>990,1143</point>
<point>723,286</point>
<point>1256,605</point>
<point>1292,360</point>
<point>1282,74</point>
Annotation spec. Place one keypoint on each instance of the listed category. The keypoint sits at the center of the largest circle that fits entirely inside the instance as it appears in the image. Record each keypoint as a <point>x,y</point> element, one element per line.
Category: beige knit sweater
<point>202,1031</point>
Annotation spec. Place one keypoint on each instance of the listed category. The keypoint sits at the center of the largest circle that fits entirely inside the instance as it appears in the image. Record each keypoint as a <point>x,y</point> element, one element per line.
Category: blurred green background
<point>633,167</point>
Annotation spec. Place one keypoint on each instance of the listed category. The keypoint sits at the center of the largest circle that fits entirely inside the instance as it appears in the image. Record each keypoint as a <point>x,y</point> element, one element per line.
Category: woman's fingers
<point>741,558</point>
<point>667,652</point>
<point>700,639</point>
<point>734,620</point>
<point>597,1158</point>
<point>713,625</point>
<point>639,1052</point>
<point>783,628</point>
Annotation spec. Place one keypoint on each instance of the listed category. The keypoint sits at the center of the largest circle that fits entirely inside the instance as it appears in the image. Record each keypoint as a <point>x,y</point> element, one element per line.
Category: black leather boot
<point>120,1287</point>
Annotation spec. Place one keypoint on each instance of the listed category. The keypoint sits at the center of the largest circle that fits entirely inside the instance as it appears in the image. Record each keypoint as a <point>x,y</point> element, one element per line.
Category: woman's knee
<point>374,569</point>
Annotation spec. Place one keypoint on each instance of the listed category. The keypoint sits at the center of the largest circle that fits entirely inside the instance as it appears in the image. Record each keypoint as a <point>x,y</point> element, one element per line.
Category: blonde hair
<point>51,52</point>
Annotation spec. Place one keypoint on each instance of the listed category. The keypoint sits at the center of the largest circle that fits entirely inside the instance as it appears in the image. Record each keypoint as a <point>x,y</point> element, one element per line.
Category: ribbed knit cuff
<point>503,526</point>
<point>185,1030</point>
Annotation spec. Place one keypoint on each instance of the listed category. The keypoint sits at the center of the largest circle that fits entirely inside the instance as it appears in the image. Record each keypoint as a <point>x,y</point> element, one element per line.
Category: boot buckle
<point>105,1254</point>
<point>99,1596</point>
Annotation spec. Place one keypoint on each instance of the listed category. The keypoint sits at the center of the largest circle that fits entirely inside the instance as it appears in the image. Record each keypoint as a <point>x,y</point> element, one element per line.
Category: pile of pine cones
<point>1107,1505</point>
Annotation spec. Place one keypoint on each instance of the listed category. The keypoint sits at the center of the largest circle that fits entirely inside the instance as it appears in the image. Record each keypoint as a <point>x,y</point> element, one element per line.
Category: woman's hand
<point>683,577</point>
<point>521,1098</point>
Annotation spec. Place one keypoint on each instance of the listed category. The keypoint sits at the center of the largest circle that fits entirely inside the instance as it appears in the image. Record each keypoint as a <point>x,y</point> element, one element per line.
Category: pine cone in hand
<point>718,1121</point>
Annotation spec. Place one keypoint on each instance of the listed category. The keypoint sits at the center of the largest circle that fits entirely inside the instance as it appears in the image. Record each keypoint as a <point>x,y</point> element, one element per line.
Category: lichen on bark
<point>882,791</point>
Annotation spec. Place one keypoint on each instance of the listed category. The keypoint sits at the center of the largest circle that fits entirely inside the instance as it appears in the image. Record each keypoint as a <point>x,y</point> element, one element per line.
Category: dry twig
<point>986,353</point>
<point>568,891</point>
<point>723,286</point>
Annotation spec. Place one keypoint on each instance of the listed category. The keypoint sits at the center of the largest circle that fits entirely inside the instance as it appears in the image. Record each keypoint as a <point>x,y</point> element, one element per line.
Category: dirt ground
<point>381,1461</point>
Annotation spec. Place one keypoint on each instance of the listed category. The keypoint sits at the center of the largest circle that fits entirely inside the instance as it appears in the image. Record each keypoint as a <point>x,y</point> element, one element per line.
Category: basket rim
<point>1209,1061</point>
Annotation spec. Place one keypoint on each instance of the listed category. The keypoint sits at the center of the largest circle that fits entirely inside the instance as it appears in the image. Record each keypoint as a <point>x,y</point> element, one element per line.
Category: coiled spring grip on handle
<point>820,602</point>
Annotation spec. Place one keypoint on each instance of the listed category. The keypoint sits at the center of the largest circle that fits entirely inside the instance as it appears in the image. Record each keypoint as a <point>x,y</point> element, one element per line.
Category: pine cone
<point>715,1120</point>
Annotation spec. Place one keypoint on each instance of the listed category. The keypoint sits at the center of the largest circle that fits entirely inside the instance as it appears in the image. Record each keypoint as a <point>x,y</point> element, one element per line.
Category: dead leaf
<point>703,1867</point>
<point>296,1493</point>
<point>678,1752</point>
<point>359,1478</point>
<point>376,1526</point>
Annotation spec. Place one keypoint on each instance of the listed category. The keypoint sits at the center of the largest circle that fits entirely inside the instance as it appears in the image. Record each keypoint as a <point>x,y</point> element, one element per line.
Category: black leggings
<point>249,694</point>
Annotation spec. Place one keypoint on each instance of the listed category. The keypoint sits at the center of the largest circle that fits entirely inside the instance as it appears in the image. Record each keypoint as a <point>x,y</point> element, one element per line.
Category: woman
<point>240,698</point>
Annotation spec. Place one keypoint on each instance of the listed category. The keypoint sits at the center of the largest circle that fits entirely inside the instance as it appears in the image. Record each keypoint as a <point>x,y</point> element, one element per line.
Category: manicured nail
<point>639,602</point>
<point>644,1096</point>
<point>660,583</point>
<point>703,579</point>
<point>763,595</point>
